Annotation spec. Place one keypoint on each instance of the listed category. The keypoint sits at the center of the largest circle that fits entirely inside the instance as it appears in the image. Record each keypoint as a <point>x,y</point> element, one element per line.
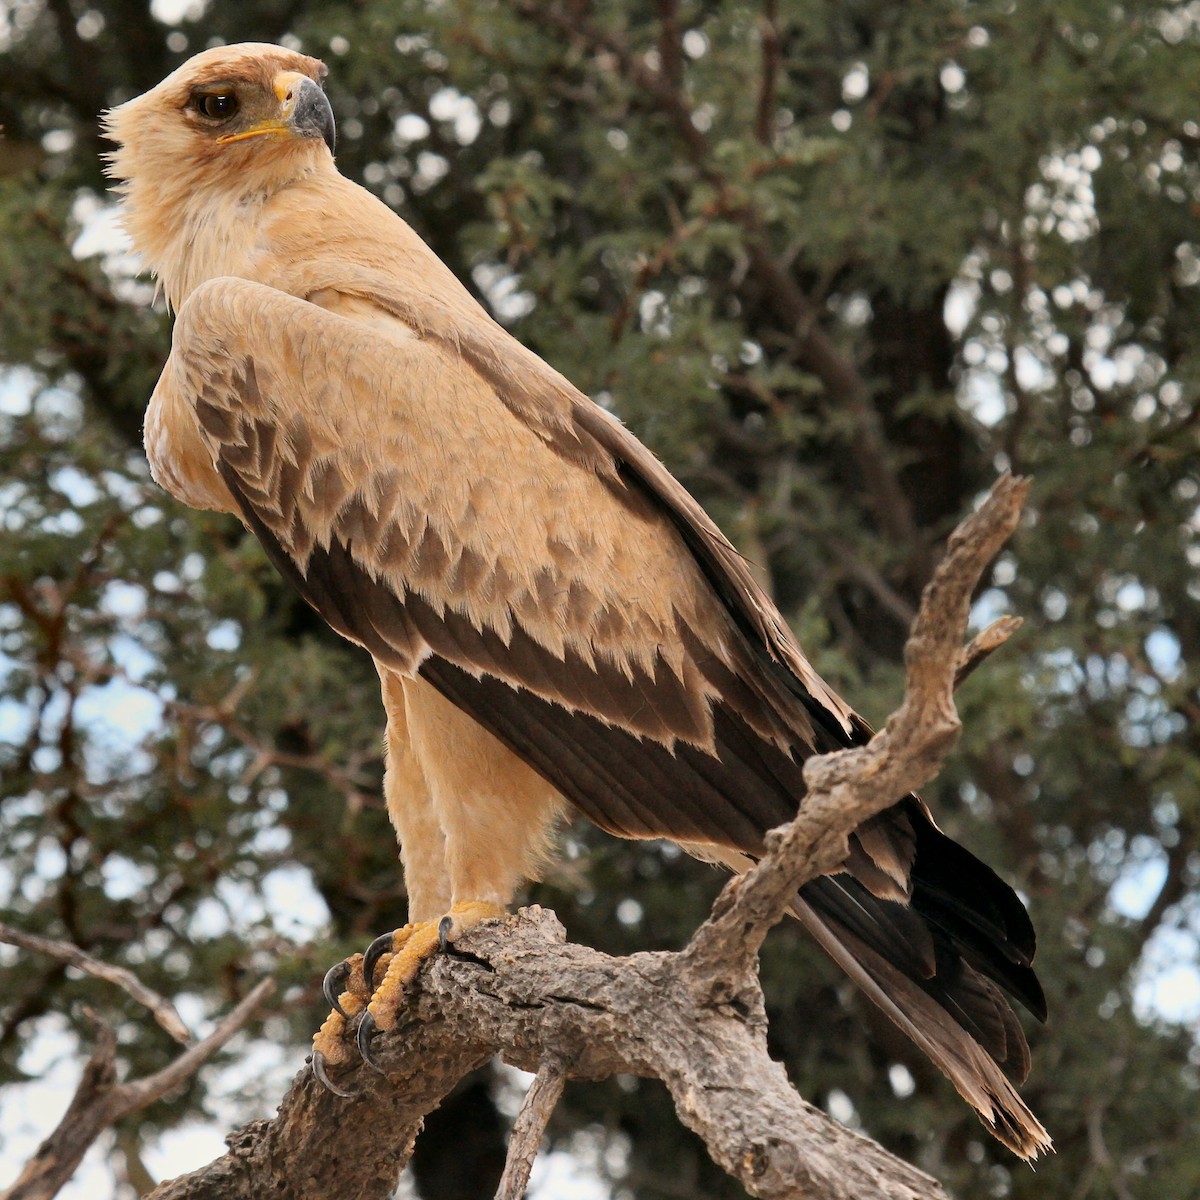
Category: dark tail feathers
<point>937,965</point>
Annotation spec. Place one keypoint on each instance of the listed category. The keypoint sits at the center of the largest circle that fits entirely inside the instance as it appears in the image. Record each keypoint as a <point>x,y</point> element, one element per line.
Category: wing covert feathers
<point>586,612</point>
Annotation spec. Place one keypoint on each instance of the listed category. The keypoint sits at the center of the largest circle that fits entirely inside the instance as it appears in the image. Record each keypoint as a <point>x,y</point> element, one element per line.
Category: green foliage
<point>837,263</point>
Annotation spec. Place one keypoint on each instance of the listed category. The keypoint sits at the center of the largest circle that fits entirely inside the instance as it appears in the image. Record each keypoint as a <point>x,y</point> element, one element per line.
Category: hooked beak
<point>304,113</point>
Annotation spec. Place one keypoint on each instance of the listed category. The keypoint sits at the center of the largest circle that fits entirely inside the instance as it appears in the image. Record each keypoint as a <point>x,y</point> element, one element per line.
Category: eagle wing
<point>517,565</point>
<point>445,499</point>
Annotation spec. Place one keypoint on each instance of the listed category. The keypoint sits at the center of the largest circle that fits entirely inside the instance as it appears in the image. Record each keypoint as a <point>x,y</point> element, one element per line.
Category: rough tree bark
<point>694,1018</point>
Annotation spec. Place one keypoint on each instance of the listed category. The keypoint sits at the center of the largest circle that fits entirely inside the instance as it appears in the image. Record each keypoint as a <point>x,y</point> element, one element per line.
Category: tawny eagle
<point>556,623</point>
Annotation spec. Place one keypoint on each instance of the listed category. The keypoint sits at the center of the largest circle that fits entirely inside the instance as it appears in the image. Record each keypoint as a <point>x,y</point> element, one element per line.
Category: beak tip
<point>311,115</point>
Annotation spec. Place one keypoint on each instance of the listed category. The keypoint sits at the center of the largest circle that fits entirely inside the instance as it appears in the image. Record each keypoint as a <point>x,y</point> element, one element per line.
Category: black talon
<point>318,1070</point>
<point>375,951</point>
<point>367,1029</point>
<point>444,927</point>
<point>334,985</point>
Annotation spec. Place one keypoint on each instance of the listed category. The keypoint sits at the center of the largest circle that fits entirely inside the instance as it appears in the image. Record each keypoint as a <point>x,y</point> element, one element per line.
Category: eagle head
<point>196,153</point>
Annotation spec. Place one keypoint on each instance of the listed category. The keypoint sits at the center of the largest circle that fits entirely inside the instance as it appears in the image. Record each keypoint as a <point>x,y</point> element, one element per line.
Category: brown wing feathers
<point>662,695</point>
<point>619,775</point>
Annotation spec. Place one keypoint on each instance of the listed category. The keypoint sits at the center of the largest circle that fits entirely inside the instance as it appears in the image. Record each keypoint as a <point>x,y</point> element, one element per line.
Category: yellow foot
<point>347,990</point>
<point>420,944</point>
<point>464,916</point>
<point>400,955</point>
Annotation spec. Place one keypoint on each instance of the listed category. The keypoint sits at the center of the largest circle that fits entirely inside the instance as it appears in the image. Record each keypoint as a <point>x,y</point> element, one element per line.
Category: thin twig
<point>160,1007</point>
<point>142,1092</point>
<point>530,1127</point>
<point>885,595</point>
<point>984,644</point>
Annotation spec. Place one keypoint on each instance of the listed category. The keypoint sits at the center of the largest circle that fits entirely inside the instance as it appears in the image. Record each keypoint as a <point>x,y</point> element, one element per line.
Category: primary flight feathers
<point>553,617</point>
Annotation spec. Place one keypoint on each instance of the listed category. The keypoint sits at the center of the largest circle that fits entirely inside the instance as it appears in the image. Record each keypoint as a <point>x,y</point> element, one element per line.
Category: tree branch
<point>160,1007</point>
<point>850,786</point>
<point>694,1019</point>
<point>58,1157</point>
<point>983,645</point>
<point>772,56</point>
<point>99,1101</point>
<point>530,1126</point>
<point>141,1092</point>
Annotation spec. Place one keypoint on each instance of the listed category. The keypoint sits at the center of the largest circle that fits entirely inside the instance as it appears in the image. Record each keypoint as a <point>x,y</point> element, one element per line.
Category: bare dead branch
<point>530,1127</point>
<point>848,787</point>
<point>59,1156</point>
<point>524,993</point>
<point>984,644</point>
<point>160,1007</point>
<point>322,1147</point>
<point>141,1092</point>
<point>99,1101</point>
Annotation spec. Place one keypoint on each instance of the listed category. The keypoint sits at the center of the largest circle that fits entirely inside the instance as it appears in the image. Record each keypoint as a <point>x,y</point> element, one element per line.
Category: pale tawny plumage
<point>555,621</point>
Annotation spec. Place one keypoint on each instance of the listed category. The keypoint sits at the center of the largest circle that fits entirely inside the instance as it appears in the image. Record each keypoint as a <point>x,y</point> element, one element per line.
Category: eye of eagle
<point>216,106</point>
